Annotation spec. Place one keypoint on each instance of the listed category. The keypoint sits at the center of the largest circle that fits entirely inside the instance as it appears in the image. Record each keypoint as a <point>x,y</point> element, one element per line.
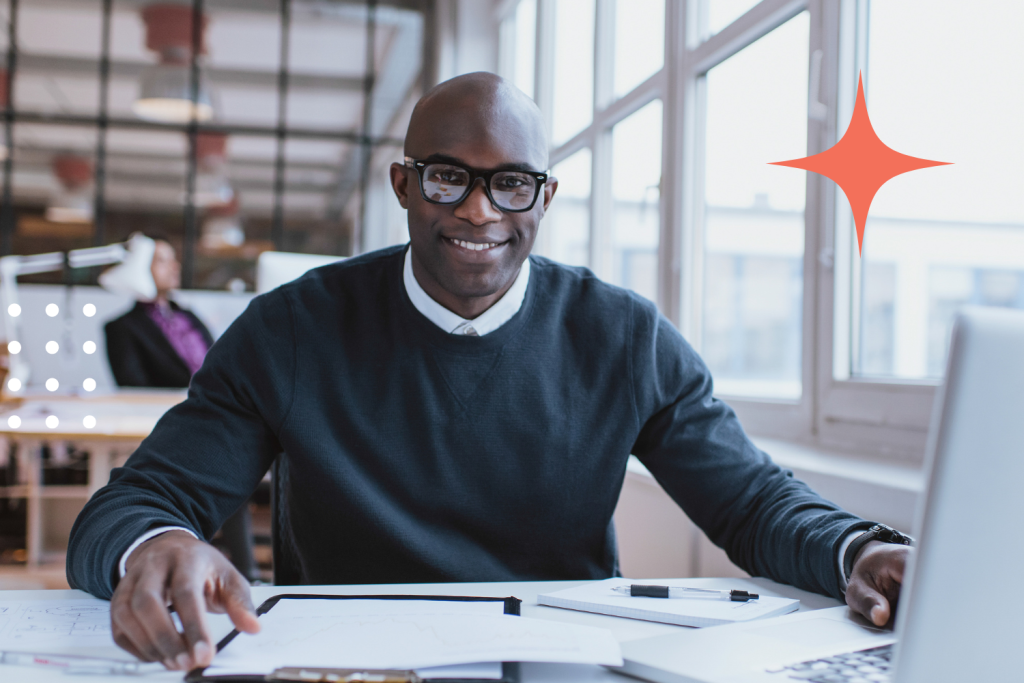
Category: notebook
<point>443,639</point>
<point>600,599</point>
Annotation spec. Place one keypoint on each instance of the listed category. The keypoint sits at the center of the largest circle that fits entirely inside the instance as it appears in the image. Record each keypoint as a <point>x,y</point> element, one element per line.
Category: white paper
<point>79,627</point>
<point>29,626</point>
<point>599,598</point>
<point>407,634</point>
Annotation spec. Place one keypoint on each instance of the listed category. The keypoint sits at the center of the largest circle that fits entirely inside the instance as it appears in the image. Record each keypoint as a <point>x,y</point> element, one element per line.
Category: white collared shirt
<point>488,321</point>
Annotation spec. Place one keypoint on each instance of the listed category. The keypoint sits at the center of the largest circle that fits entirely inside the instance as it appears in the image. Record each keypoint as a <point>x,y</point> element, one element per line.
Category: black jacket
<point>141,356</point>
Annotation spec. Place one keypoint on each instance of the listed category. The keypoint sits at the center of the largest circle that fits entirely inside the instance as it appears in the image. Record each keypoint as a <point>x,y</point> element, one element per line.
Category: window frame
<point>868,416</point>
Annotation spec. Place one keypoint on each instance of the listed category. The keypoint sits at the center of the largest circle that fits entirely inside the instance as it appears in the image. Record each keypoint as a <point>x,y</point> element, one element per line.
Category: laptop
<point>961,610</point>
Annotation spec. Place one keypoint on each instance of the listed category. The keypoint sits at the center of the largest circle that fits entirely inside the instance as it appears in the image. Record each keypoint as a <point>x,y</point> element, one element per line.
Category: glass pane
<point>753,215</point>
<point>574,68</point>
<point>58,60</point>
<point>636,197</point>
<point>721,13</point>
<point>639,42</point>
<point>525,53</point>
<point>940,238</point>
<point>565,233</point>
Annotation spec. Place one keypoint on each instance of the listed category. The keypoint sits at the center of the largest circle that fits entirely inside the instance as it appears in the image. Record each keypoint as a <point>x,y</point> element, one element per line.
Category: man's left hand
<point>875,581</point>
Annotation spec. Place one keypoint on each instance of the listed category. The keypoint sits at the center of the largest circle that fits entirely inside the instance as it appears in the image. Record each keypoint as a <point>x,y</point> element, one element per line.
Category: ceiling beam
<point>56,65</point>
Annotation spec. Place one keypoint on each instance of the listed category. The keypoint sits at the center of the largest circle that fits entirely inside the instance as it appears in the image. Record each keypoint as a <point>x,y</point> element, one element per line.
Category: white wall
<point>466,37</point>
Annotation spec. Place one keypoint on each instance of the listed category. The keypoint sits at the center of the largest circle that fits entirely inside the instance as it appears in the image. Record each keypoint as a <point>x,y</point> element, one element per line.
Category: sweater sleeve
<point>205,456</point>
<point>768,522</point>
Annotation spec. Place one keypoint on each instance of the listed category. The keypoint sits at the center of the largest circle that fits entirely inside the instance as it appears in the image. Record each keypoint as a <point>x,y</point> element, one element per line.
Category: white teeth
<point>472,246</point>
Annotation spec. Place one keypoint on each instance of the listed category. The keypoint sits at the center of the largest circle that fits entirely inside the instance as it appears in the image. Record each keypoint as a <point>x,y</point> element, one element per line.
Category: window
<point>674,110</point>
<point>565,232</point>
<point>754,216</point>
<point>632,251</point>
<point>573,68</point>
<point>940,238</point>
<point>639,42</point>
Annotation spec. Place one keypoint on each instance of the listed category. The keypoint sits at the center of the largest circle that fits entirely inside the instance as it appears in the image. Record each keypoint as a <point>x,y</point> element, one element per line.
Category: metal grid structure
<point>370,134</point>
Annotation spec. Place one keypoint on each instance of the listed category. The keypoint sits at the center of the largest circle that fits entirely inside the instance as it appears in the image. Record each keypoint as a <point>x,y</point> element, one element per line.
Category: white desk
<point>622,629</point>
<point>123,419</point>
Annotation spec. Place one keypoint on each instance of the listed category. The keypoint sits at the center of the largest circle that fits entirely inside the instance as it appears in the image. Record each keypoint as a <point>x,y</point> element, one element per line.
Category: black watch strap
<point>879,532</point>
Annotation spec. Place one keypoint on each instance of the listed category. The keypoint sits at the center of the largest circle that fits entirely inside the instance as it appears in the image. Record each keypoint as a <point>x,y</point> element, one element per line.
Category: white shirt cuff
<point>122,565</point>
<point>842,554</point>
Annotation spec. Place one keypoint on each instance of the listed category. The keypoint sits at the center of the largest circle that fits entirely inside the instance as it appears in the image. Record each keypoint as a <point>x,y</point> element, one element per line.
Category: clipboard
<point>510,670</point>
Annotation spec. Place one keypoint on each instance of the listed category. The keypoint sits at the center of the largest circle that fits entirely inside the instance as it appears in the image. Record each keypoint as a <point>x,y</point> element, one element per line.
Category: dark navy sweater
<point>419,456</point>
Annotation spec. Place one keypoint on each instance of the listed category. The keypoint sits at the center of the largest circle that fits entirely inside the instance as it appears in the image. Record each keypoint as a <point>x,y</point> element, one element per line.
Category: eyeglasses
<point>445,183</point>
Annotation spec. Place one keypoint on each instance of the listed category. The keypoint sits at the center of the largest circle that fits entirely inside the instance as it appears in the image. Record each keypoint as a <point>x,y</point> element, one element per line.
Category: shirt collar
<point>494,317</point>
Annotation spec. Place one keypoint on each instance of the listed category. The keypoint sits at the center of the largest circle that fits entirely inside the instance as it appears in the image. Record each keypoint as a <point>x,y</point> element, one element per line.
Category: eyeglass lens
<point>447,184</point>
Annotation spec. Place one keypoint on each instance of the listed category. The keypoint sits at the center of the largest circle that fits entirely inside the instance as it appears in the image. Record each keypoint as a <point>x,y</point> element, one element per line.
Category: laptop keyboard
<point>864,666</point>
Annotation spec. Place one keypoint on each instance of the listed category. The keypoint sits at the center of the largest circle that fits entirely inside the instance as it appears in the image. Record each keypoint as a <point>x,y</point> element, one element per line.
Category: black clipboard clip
<point>315,675</point>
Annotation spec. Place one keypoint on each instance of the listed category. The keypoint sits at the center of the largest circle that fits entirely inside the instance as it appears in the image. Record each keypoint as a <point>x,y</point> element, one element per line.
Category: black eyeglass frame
<point>420,164</point>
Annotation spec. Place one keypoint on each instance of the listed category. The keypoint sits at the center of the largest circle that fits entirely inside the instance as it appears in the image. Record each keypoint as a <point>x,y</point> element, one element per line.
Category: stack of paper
<point>601,599</point>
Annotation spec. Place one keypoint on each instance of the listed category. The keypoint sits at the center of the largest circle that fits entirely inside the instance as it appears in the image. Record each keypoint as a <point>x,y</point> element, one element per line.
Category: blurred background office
<point>241,128</point>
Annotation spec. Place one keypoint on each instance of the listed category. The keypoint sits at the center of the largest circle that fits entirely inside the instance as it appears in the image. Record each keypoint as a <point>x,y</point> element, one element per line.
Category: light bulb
<point>88,384</point>
<point>89,421</point>
<point>14,310</point>
<point>89,347</point>
<point>52,421</point>
<point>52,347</point>
<point>14,384</point>
<point>89,310</point>
<point>52,384</point>
<point>52,310</point>
<point>14,348</point>
<point>14,422</point>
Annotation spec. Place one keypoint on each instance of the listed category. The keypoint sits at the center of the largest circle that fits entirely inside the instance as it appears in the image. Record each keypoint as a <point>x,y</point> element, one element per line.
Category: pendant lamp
<point>165,89</point>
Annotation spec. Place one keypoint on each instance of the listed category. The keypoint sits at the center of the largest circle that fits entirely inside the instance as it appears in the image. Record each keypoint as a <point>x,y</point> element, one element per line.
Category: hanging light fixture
<point>73,200</point>
<point>165,89</point>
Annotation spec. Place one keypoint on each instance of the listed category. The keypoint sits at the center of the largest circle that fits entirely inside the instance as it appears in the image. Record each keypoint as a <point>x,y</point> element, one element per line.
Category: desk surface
<point>125,414</point>
<point>622,629</point>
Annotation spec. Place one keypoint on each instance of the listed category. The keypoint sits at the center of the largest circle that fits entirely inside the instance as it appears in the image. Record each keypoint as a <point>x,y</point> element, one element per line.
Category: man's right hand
<point>175,570</point>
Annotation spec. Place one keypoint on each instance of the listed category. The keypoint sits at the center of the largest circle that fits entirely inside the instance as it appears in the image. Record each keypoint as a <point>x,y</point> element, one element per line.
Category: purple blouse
<point>181,333</point>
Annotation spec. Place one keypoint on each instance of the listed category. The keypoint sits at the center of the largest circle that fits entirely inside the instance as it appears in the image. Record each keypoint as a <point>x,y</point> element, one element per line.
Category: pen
<point>637,590</point>
<point>80,665</point>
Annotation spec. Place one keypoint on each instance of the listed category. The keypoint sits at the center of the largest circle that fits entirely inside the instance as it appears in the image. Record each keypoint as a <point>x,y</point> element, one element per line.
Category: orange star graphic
<point>860,163</point>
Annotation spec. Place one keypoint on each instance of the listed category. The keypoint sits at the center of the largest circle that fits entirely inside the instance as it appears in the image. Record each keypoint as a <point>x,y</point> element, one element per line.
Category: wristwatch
<point>879,532</point>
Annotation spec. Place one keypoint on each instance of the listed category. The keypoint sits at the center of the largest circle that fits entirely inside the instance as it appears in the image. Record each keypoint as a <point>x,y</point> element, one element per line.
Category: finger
<point>149,607</point>
<point>190,603</point>
<point>127,631</point>
<point>868,602</point>
<point>233,597</point>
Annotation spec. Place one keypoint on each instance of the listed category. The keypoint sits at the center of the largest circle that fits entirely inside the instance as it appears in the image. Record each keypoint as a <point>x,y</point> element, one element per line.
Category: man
<point>451,411</point>
<point>158,343</point>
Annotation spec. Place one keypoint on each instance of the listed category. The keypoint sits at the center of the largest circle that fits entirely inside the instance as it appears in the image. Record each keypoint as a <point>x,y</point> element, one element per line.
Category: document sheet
<point>406,634</point>
<point>599,598</point>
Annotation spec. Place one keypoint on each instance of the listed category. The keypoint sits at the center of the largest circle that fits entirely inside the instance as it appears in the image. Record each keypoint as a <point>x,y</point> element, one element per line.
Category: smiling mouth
<point>474,246</point>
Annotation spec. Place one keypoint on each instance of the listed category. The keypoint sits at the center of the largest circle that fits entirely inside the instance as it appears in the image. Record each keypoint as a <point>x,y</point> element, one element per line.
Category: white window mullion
<point>676,192</point>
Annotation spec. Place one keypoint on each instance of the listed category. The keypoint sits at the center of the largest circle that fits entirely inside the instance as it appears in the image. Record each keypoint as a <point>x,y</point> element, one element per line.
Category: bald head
<point>482,111</point>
